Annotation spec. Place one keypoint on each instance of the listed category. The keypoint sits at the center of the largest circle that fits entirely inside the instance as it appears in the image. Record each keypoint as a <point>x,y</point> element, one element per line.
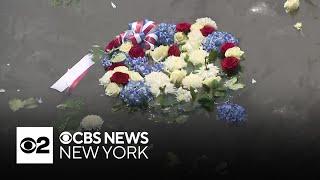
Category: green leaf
<point>230,82</point>
<point>215,84</point>
<point>117,107</point>
<point>219,93</point>
<point>213,55</point>
<point>236,86</point>
<point>97,53</point>
<point>206,102</point>
<point>75,104</point>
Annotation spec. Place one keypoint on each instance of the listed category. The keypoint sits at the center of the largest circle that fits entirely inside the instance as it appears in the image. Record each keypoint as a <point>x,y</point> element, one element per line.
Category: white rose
<point>192,81</point>
<point>113,89</point>
<point>159,53</point>
<point>105,79</point>
<point>234,52</point>
<point>177,76</point>
<point>135,76</point>
<point>122,69</point>
<point>198,57</point>
<point>91,122</point>
<point>125,47</point>
<point>179,37</point>
<point>174,63</point>
<point>118,58</point>
<point>209,80</point>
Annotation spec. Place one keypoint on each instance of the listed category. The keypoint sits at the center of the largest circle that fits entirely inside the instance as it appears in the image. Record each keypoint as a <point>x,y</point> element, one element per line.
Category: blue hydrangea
<point>142,65</point>
<point>136,93</point>
<point>231,113</point>
<point>105,61</point>
<point>165,33</point>
<point>216,39</point>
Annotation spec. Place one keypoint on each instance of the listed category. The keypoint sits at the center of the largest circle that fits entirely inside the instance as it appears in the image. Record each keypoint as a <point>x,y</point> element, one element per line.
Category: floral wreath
<point>174,66</point>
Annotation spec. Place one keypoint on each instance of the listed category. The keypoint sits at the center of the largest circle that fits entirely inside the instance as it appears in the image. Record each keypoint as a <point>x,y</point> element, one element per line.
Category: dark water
<point>39,42</point>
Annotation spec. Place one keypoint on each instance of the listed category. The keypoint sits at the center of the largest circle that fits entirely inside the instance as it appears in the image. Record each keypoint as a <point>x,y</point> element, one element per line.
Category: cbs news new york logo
<point>34,145</point>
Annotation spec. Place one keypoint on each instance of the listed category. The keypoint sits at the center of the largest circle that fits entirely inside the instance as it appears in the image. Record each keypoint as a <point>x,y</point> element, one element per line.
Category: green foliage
<point>97,53</point>
<point>233,84</point>
<point>70,114</point>
<point>17,104</point>
<point>213,55</point>
<point>206,101</point>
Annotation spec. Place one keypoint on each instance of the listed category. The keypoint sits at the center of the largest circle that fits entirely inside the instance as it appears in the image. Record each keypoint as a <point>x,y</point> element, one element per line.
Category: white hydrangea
<point>183,95</point>
<point>174,63</point>
<point>91,122</point>
<point>192,81</point>
<point>195,36</point>
<point>113,89</point>
<point>156,81</point>
<point>206,72</point>
<point>198,57</point>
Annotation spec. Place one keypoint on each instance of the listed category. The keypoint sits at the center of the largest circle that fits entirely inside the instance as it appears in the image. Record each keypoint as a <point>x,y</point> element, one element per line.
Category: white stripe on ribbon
<point>149,23</point>
<point>69,78</point>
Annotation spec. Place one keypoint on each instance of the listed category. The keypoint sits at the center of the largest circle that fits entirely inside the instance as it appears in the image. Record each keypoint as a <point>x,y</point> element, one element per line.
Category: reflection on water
<point>262,8</point>
<point>64,3</point>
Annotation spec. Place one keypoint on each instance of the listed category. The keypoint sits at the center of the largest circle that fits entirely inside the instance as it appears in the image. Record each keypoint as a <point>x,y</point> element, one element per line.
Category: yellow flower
<point>125,47</point>
<point>113,89</point>
<point>234,52</point>
<point>179,37</point>
<point>159,53</point>
<point>177,76</point>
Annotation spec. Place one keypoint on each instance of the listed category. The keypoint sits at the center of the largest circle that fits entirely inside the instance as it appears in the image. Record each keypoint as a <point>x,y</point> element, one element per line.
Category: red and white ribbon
<point>74,75</point>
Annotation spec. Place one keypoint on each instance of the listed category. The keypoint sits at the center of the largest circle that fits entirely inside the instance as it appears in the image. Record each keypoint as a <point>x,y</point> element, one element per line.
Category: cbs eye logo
<point>65,137</point>
<point>34,145</point>
<point>29,145</point>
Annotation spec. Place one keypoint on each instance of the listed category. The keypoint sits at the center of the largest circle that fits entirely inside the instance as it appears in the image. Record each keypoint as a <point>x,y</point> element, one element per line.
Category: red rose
<point>183,27</point>
<point>230,64</point>
<point>114,65</point>
<point>174,50</point>
<point>136,51</point>
<point>112,44</point>
<point>206,30</point>
<point>226,46</point>
<point>120,78</point>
